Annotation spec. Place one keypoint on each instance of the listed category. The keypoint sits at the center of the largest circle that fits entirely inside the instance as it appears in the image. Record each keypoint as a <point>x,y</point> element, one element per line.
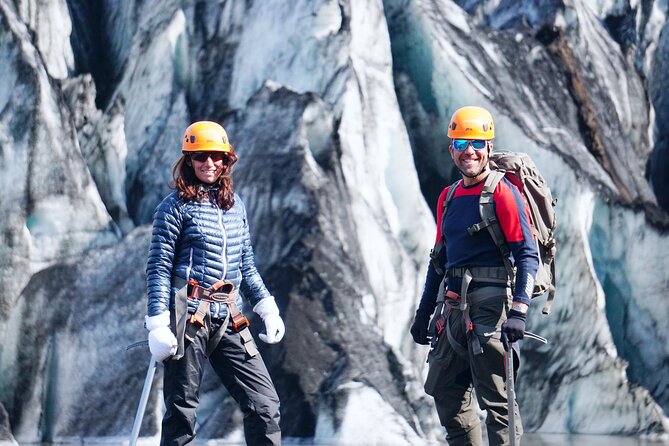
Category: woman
<point>200,257</point>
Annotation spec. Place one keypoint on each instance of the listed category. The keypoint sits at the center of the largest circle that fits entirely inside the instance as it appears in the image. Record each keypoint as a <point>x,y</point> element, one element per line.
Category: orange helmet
<point>471,123</point>
<point>205,136</point>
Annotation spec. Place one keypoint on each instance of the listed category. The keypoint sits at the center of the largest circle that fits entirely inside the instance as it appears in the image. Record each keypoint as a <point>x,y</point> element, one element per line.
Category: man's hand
<point>419,327</point>
<point>514,326</point>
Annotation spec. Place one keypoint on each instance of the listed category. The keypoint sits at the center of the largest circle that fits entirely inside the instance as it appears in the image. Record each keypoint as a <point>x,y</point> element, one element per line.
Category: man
<point>481,305</point>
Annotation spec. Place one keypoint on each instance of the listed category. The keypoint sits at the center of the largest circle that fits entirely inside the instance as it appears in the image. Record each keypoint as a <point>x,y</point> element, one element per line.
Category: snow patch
<point>365,419</point>
<point>51,23</point>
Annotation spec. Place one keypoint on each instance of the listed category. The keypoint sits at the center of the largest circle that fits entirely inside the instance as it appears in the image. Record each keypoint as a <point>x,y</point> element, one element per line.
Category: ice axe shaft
<point>510,386</point>
<point>142,402</point>
<point>510,394</point>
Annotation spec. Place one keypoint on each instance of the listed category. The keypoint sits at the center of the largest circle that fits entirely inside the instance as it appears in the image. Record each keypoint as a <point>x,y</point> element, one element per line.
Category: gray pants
<point>246,379</point>
<point>452,376</point>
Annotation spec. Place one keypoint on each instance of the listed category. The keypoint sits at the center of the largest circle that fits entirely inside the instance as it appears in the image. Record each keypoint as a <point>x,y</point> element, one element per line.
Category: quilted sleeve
<point>167,222</point>
<point>253,288</point>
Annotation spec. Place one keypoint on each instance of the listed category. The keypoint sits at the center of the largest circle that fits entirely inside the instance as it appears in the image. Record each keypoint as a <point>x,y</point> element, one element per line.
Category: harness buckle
<point>452,295</point>
<point>194,290</point>
<point>239,322</point>
<point>195,319</point>
<point>200,314</point>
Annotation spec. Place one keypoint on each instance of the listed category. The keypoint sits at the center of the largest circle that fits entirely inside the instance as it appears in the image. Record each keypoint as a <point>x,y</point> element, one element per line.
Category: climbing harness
<point>451,300</point>
<point>223,292</point>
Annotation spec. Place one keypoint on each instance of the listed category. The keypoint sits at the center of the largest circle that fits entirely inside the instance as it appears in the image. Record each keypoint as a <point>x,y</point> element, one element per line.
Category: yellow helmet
<point>205,136</point>
<point>471,123</point>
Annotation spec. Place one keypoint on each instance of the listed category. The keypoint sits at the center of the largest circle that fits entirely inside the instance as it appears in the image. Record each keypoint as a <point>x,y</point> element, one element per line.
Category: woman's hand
<point>274,326</point>
<point>162,342</point>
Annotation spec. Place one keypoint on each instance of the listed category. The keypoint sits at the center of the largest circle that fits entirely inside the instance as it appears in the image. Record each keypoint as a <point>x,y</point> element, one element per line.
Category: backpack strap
<point>489,219</point>
<point>551,292</point>
<point>436,251</point>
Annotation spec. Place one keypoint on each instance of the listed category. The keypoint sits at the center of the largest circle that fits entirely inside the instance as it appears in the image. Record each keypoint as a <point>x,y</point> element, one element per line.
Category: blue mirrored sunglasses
<point>477,144</point>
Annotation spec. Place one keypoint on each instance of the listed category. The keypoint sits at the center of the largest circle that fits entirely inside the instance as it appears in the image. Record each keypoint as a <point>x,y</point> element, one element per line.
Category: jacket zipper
<point>190,264</point>
<point>225,245</point>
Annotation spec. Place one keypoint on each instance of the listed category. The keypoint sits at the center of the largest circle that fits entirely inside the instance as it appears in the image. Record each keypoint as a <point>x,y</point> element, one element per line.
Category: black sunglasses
<point>201,157</point>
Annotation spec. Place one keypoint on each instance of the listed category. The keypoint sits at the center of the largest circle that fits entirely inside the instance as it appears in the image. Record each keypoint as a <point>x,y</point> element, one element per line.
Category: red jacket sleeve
<point>440,211</point>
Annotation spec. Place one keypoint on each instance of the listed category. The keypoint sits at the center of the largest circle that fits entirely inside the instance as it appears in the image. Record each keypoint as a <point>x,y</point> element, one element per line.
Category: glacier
<point>338,111</point>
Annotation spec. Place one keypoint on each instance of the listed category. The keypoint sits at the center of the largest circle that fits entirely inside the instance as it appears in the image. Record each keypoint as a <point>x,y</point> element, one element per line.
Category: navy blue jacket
<point>465,250</point>
<point>200,241</point>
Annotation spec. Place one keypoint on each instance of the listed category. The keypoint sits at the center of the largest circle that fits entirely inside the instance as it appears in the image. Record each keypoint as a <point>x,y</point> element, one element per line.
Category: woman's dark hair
<point>190,188</point>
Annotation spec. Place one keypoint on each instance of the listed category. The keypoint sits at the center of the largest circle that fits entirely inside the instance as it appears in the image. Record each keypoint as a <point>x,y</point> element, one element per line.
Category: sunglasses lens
<point>201,157</point>
<point>461,144</point>
<point>478,144</point>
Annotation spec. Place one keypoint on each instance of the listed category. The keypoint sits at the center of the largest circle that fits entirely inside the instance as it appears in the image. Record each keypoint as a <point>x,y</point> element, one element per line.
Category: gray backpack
<point>521,171</point>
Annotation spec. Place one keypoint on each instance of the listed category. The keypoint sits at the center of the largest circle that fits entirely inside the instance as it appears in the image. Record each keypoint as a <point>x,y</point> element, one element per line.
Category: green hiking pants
<point>456,370</point>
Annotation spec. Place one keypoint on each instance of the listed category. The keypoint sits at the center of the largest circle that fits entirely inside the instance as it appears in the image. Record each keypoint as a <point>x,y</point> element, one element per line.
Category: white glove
<point>162,342</point>
<point>274,327</point>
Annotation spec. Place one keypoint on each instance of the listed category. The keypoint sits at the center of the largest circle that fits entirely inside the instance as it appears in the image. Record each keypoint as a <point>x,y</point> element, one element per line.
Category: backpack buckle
<point>440,324</point>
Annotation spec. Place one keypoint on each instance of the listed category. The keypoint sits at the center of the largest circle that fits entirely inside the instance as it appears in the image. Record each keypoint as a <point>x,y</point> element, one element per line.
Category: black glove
<point>419,327</point>
<point>514,326</point>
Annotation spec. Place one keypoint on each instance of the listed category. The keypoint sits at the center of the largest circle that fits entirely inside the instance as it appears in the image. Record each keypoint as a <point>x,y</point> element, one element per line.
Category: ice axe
<point>510,387</point>
<point>141,408</point>
<point>151,371</point>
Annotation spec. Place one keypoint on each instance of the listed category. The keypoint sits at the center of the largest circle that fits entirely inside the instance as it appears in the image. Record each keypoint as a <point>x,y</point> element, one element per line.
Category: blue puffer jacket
<point>200,241</point>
